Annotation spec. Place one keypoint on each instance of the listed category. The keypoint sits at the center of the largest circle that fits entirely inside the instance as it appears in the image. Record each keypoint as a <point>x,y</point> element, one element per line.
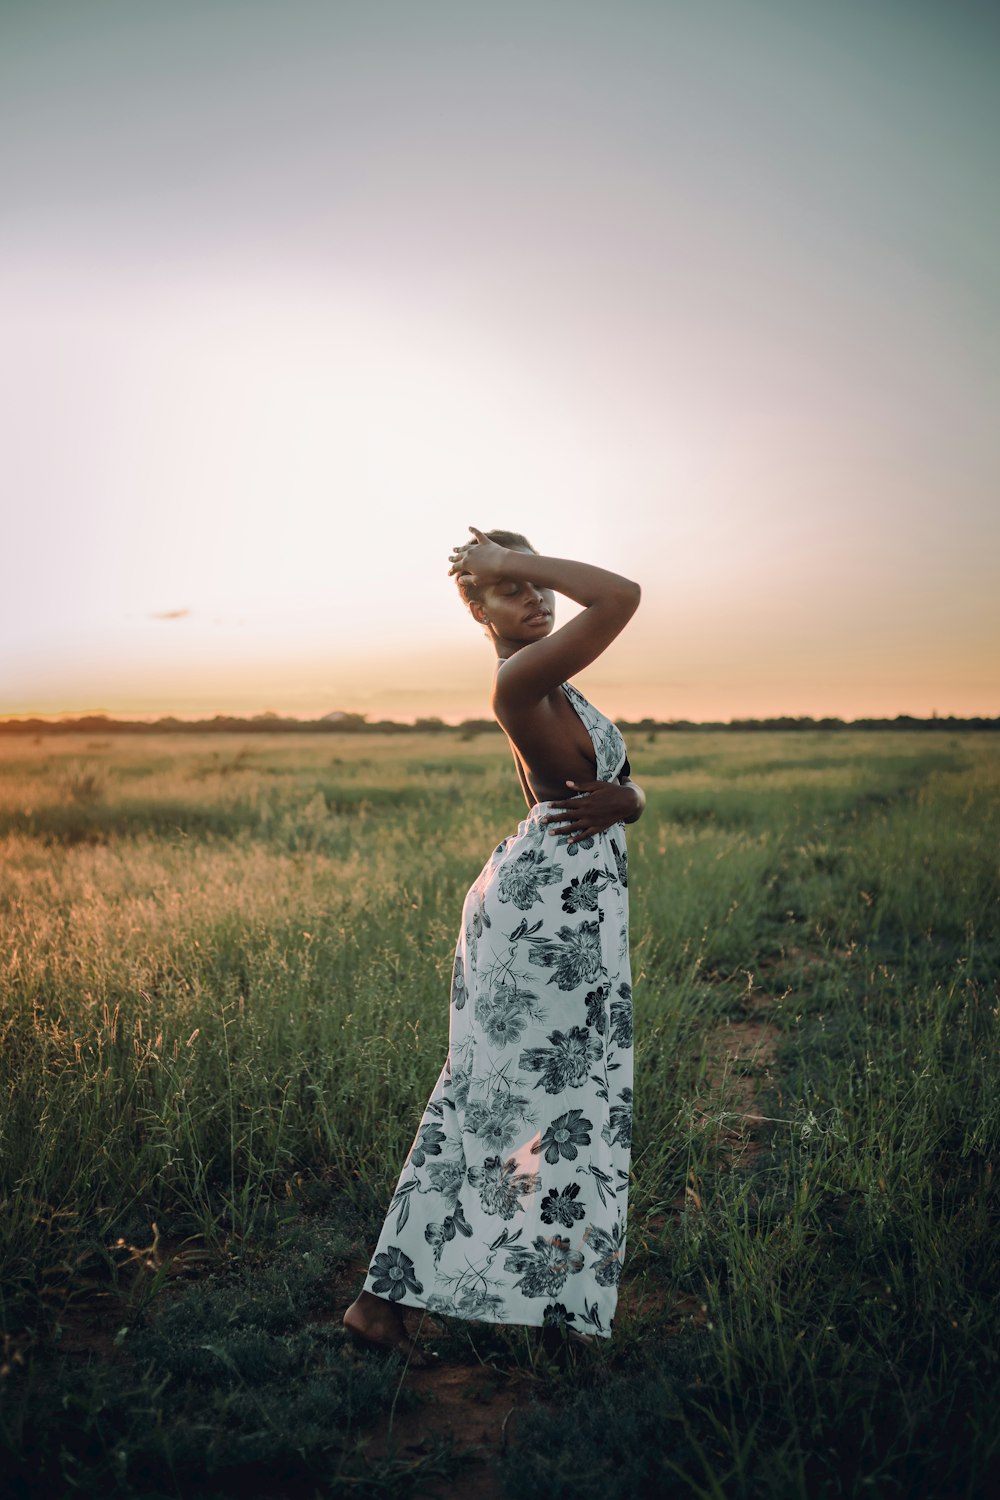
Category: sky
<point>292,294</point>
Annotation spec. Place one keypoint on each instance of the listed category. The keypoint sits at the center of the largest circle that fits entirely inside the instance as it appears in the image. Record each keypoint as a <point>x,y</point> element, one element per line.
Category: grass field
<point>224,973</point>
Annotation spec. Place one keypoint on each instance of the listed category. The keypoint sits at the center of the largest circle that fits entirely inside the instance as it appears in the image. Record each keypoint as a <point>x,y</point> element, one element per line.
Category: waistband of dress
<point>533,817</point>
<point>542,809</point>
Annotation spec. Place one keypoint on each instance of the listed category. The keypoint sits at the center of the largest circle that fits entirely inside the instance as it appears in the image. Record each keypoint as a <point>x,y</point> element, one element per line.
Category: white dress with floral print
<point>511,1205</point>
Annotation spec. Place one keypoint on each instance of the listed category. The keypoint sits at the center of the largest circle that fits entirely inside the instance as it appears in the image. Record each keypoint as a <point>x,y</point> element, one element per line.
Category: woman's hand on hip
<point>599,806</point>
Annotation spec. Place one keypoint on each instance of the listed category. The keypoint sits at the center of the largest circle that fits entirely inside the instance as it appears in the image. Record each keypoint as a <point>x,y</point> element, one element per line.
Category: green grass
<point>224,1000</point>
<point>237,1385</point>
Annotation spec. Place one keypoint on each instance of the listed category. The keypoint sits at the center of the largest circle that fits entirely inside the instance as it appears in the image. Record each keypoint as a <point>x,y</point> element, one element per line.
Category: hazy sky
<point>291,293</point>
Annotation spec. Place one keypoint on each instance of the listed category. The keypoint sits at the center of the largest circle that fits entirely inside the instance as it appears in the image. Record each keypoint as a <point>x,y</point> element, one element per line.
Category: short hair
<point>469,590</point>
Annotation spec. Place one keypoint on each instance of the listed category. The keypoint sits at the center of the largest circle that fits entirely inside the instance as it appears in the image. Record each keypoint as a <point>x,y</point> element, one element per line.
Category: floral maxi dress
<point>511,1205</point>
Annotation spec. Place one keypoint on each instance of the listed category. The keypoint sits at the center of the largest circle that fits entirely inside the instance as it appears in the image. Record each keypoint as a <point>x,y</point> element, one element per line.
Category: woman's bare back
<point>550,745</point>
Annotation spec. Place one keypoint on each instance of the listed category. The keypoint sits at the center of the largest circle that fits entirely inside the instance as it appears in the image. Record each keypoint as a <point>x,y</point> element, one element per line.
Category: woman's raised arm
<point>537,668</point>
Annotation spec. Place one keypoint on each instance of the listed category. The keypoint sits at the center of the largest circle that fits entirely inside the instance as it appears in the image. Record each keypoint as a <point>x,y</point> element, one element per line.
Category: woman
<point>511,1206</point>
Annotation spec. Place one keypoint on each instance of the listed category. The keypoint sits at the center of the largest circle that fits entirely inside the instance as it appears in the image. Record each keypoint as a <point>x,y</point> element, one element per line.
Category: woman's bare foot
<point>379,1324</point>
<point>558,1342</point>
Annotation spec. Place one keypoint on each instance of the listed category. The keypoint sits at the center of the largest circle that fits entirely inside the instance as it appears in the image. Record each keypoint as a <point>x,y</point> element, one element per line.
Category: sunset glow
<point>292,295</point>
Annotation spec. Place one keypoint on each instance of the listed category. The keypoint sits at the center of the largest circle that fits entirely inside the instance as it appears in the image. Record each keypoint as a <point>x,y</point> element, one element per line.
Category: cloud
<point>170,614</point>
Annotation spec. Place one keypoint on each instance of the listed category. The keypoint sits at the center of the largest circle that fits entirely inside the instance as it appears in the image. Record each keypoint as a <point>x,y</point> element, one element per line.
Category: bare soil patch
<point>737,1057</point>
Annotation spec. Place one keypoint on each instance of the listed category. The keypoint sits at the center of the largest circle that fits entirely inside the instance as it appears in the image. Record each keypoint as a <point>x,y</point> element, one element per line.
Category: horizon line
<point>363,721</point>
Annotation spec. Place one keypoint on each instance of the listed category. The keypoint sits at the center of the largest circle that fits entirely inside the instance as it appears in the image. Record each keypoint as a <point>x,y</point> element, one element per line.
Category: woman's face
<point>520,612</point>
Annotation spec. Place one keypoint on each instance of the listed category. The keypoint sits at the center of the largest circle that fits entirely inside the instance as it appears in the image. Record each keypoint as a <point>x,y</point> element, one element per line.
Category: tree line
<point>352,723</point>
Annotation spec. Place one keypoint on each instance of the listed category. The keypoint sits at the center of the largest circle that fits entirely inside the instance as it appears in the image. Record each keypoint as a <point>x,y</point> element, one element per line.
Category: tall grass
<point>224,979</point>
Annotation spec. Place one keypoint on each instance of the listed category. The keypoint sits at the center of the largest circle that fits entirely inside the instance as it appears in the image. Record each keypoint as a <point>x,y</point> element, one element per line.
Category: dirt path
<point>476,1410</point>
<point>737,1055</point>
<point>465,1402</point>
